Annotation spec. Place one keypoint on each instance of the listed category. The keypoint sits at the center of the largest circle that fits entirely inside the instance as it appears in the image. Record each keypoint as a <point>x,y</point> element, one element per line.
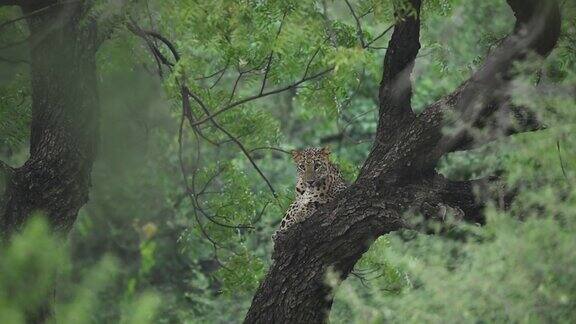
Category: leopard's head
<point>312,165</point>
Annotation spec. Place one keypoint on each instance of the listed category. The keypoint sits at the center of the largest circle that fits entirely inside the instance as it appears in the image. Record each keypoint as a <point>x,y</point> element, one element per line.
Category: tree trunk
<point>399,175</point>
<point>64,129</point>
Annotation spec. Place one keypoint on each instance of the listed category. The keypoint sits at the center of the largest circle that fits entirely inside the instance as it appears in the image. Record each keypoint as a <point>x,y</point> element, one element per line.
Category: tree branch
<point>398,177</point>
<point>265,94</point>
<point>359,32</point>
<point>271,55</point>
<point>395,89</point>
<point>507,120</point>
<point>537,29</point>
<point>235,140</point>
<point>369,44</point>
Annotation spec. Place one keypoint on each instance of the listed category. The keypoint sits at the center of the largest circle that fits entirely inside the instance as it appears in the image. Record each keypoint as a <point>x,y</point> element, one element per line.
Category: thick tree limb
<point>64,128</point>
<point>395,90</point>
<point>506,120</point>
<point>537,29</point>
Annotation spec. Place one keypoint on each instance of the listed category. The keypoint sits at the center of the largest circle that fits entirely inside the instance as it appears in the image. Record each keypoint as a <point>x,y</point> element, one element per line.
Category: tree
<point>55,179</point>
<point>64,128</point>
<point>399,174</point>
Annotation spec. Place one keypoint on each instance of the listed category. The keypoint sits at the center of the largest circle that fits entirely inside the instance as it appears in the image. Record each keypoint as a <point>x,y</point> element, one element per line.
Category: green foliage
<point>35,263</point>
<point>14,113</point>
<point>187,247</point>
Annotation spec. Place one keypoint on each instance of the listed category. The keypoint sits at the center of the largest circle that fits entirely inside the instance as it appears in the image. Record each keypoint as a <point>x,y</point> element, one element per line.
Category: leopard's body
<point>318,182</point>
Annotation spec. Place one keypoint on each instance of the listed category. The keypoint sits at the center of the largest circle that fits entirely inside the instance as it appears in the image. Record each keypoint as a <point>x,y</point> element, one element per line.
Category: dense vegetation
<point>200,104</point>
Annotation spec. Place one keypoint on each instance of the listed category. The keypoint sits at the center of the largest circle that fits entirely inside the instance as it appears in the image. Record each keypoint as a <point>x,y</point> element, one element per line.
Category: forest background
<point>179,222</point>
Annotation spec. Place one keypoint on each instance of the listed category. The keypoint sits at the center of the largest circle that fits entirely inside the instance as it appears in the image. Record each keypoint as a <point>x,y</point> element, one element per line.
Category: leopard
<point>318,181</point>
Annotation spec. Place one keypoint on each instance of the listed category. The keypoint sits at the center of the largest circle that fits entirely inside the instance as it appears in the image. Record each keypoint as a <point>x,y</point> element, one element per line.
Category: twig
<point>561,161</point>
<point>272,54</point>
<point>266,73</point>
<point>269,148</point>
<point>310,62</point>
<point>189,115</point>
<point>166,42</point>
<point>213,74</point>
<point>191,194</point>
<point>219,78</point>
<point>378,37</point>
<point>359,31</point>
<point>234,139</point>
<point>216,174</point>
<point>259,217</point>
<point>369,11</point>
<point>240,74</point>
<point>265,94</point>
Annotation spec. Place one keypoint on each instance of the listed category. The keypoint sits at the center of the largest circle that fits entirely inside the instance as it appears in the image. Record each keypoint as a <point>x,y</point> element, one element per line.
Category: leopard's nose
<point>310,182</point>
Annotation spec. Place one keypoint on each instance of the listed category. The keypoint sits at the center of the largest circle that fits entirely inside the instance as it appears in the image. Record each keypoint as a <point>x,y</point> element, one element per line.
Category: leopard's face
<point>312,165</point>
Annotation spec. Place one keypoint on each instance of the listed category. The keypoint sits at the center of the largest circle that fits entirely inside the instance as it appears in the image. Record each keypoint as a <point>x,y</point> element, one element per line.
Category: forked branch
<point>537,30</point>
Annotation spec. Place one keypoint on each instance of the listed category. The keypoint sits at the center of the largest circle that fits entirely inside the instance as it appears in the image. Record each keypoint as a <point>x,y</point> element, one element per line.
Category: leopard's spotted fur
<point>318,182</point>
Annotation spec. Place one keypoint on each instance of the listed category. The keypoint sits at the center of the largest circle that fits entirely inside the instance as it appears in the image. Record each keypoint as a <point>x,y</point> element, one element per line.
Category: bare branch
<point>234,139</point>
<point>269,148</point>
<point>187,112</point>
<point>213,74</point>
<point>266,73</point>
<point>187,109</point>
<point>166,42</point>
<point>368,45</point>
<point>268,65</point>
<point>159,58</point>
<point>190,191</point>
<point>233,92</point>
<point>359,32</point>
<point>265,94</point>
<point>369,11</point>
<point>219,77</point>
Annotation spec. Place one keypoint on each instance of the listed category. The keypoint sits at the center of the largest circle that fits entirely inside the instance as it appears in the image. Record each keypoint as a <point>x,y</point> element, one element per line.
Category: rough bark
<point>399,175</point>
<point>64,128</point>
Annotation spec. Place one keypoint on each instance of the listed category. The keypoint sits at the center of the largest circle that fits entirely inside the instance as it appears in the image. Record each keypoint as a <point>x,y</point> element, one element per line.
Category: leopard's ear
<point>326,150</point>
<point>296,155</point>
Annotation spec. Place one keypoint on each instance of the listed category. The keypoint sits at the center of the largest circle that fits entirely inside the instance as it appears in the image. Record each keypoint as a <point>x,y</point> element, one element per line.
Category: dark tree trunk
<point>64,130</point>
<point>399,175</point>
<point>55,179</point>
